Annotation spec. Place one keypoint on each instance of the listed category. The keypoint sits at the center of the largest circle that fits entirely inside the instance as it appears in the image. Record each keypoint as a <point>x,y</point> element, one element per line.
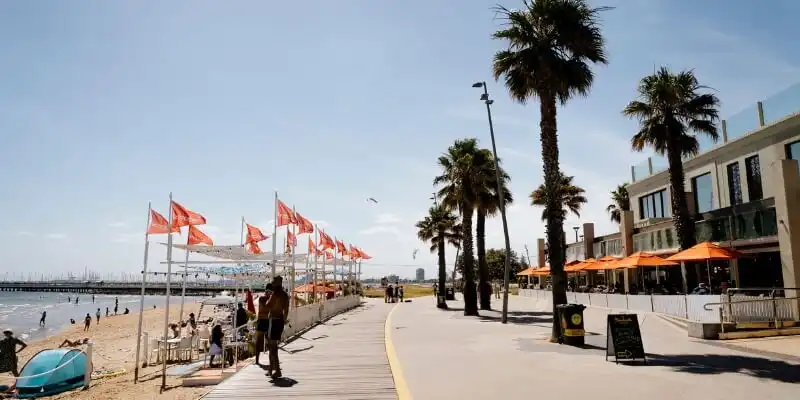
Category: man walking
<point>278,313</point>
<point>262,321</point>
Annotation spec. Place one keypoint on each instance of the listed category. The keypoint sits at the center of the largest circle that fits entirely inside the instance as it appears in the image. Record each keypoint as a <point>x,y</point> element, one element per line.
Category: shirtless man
<point>262,320</point>
<point>277,308</point>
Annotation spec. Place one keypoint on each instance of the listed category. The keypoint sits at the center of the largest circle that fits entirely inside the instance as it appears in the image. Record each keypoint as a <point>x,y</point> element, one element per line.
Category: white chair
<point>195,346</point>
<point>204,335</point>
<point>184,348</point>
<point>154,349</point>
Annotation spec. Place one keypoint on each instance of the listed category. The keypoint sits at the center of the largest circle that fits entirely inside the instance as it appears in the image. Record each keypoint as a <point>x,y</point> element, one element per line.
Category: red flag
<point>158,224</point>
<point>328,256</point>
<point>196,236</point>
<point>285,215</point>
<point>364,256</point>
<point>291,239</point>
<point>340,247</point>
<point>311,246</point>
<point>254,235</point>
<point>181,216</point>
<point>354,254</point>
<point>303,225</point>
<point>325,241</point>
<point>254,249</point>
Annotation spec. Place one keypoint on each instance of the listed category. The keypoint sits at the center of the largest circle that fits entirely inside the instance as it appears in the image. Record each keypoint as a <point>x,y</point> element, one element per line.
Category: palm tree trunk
<point>440,300</point>
<point>553,206</point>
<point>684,224</point>
<point>470,296</point>
<point>483,269</point>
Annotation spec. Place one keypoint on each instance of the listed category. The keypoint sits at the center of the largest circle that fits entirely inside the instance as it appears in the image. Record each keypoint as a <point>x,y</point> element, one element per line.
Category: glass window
<point>753,172</point>
<point>734,184</point>
<point>653,205</point>
<point>793,151</point>
<point>703,193</point>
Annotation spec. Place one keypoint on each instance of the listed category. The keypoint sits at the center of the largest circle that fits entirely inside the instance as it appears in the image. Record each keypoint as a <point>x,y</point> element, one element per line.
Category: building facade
<point>420,275</point>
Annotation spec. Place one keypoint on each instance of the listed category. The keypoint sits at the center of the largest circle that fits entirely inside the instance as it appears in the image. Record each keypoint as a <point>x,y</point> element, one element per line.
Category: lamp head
<point>484,97</point>
<point>477,84</point>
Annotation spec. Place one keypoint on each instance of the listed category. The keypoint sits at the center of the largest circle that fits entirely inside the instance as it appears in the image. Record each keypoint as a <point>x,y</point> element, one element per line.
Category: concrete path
<point>443,354</point>
<point>344,358</point>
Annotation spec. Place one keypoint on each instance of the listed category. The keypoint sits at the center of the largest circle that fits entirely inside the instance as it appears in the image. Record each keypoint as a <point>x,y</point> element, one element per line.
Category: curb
<point>394,363</point>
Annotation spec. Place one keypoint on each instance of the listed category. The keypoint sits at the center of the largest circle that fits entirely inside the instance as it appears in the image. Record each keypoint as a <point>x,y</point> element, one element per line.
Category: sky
<point>106,106</point>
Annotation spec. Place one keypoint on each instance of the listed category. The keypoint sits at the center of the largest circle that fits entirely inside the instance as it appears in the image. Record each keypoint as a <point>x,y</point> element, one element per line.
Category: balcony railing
<point>747,221</point>
<point>773,109</point>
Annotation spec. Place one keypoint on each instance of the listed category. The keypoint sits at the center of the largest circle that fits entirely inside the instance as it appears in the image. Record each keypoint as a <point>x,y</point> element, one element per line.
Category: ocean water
<point>21,311</point>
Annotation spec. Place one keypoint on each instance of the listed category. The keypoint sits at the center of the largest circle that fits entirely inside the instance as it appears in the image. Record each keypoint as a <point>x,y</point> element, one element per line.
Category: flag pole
<point>292,301</point>
<point>244,246</point>
<point>314,275</point>
<point>166,310</point>
<point>360,285</point>
<point>141,298</point>
<point>324,277</point>
<point>335,259</point>
<point>183,282</point>
<point>274,234</point>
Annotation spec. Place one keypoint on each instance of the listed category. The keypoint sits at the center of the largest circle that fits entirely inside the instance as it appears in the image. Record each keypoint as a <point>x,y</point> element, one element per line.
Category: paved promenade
<point>344,358</point>
<point>443,354</point>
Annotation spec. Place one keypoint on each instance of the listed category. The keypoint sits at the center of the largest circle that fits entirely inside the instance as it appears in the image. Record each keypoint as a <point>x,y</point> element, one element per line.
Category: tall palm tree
<point>440,228</point>
<point>621,201</point>
<point>551,44</point>
<point>488,205</point>
<point>570,196</point>
<point>670,108</point>
<point>461,171</point>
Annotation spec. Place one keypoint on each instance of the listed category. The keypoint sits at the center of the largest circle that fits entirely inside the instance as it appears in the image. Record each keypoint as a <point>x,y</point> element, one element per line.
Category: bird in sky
<point>414,254</point>
<point>372,199</point>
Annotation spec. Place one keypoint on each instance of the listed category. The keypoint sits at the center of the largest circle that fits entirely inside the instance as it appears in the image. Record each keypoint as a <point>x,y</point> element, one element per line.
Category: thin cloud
<point>56,236</point>
<point>377,230</point>
<point>23,233</point>
<point>387,219</point>
<point>118,224</point>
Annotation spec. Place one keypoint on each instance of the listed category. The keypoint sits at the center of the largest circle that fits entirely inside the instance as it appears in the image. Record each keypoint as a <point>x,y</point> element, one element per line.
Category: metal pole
<point>141,298</point>
<point>166,307</point>
<point>501,202</point>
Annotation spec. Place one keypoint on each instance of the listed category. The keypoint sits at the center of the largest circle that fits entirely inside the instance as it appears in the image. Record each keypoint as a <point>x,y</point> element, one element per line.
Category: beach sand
<point>115,347</point>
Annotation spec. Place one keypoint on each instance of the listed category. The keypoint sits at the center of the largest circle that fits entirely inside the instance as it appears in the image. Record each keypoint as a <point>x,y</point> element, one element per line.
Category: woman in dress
<point>8,352</point>
<point>216,344</point>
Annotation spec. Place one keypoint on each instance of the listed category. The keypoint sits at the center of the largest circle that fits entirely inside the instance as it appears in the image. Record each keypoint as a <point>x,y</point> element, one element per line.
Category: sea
<point>21,311</point>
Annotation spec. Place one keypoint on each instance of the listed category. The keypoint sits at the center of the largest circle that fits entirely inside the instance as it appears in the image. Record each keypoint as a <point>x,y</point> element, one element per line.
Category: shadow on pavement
<point>713,364</point>
<point>283,382</point>
<point>518,317</point>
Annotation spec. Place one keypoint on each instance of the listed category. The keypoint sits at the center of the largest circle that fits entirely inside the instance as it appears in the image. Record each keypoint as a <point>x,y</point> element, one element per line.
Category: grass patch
<point>410,291</point>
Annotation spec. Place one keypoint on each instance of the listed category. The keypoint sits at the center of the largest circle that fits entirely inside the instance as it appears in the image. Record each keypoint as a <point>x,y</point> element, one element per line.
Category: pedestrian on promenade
<point>278,308</point>
<point>401,293</point>
<point>262,321</point>
<point>388,295</point>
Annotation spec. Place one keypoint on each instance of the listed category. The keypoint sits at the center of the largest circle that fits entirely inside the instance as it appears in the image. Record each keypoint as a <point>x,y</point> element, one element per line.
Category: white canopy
<point>239,254</point>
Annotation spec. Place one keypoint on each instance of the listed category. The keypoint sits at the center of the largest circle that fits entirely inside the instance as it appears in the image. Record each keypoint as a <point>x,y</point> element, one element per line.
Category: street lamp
<point>575,228</point>
<point>500,194</point>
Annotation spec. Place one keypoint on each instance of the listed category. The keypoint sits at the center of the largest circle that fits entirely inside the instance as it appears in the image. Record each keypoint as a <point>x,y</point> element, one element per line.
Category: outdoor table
<point>171,345</point>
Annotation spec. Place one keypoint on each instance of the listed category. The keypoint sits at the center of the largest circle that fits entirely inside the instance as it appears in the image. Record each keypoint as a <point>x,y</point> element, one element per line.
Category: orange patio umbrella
<point>541,271</point>
<point>642,259</point>
<point>705,251</point>
<point>603,263</point>
<point>526,272</point>
<point>580,266</point>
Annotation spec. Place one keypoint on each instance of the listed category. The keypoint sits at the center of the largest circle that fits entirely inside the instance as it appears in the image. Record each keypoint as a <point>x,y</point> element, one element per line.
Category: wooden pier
<point>153,288</point>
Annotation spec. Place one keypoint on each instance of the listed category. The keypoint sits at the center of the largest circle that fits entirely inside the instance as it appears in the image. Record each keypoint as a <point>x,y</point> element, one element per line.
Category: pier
<point>153,288</point>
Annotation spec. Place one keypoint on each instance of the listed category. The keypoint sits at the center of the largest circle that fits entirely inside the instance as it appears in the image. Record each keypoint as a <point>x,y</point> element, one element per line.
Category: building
<point>420,275</point>
<point>744,193</point>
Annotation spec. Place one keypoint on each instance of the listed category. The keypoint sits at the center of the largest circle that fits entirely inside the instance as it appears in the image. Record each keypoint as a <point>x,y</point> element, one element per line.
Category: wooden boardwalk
<point>345,358</point>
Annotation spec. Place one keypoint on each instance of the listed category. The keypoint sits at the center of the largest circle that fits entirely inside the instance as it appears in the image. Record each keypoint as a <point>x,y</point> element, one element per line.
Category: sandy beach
<point>115,347</point>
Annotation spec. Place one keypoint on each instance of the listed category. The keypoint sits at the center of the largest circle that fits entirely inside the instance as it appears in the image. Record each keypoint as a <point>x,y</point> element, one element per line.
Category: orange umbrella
<point>642,259</point>
<point>705,251</point>
<point>603,263</point>
<point>541,271</point>
<point>580,266</point>
<point>526,272</point>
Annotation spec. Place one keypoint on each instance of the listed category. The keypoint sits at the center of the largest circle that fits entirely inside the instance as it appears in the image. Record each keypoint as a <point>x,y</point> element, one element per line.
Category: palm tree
<point>440,228</point>
<point>621,202</point>
<point>670,109</point>
<point>551,44</point>
<point>461,174</point>
<point>570,196</point>
<point>488,205</point>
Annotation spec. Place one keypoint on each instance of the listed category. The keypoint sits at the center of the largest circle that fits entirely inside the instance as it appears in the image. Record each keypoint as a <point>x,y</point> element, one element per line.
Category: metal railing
<point>757,305</point>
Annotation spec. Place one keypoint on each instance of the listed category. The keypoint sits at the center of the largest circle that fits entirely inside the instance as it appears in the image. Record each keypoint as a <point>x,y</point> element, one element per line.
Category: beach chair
<point>184,348</point>
<point>154,349</point>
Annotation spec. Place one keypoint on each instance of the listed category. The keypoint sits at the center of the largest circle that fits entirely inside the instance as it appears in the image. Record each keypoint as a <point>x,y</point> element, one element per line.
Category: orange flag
<point>354,254</point>
<point>328,256</point>
<point>254,235</point>
<point>291,239</point>
<point>254,249</point>
<point>196,236</point>
<point>181,216</point>
<point>158,224</point>
<point>285,215</point>
<point>311,246</point>
<point>303,225</point>
<point>364,256</point>
<point>325,241</point>
<point>341,248</point>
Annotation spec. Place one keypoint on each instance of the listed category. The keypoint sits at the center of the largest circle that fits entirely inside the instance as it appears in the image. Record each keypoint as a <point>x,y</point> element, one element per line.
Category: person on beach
<point>192,320</point>
<point>216,344</point>
<point>76,299</point>
<point>8,352</point>
<point>262,321</point>
<point>76,343</point>
<point>106,312</point>
<point>115,309</point>
<point>44,317</point>
<point>278,313</point>
<point>92,298</point>
<point>116,305</point>
<point>128,311</point>
<point>87,322</point>
<point>97,314</point>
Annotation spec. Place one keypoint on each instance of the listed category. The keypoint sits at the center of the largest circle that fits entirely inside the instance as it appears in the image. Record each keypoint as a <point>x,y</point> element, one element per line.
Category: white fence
<point>304,317</point>
<point>690,307</point>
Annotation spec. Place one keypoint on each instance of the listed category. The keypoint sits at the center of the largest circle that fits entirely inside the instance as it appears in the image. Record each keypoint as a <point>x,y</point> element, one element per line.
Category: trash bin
<point>450,293</point>
<point>571,317</point>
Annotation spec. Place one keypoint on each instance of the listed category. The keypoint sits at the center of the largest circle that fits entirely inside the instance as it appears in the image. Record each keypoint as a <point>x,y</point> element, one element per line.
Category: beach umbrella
<point>642,259</point>
<point>604,263</point>
<point>580,265</point>
<point>705,251</point>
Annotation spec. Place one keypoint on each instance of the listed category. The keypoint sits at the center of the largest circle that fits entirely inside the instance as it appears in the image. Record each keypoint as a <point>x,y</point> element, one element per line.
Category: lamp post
<point>501,199</point>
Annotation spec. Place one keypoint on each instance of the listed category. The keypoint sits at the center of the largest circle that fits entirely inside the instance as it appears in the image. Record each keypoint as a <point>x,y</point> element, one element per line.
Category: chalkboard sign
<point>624,339</point>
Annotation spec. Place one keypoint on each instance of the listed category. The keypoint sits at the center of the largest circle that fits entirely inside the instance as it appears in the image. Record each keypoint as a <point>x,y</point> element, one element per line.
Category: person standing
<point>278,313</point>
<point>116,305</point>
<point>87,322</point>
<point>401,293</point>
<point>8,352</point>
<point>262,321</point>
<point>44,317</point>
<point>97,314</point>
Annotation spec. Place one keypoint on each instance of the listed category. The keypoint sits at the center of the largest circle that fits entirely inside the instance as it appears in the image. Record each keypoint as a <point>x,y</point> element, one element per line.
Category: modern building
<point>420,275</point>
<point>744,193</point>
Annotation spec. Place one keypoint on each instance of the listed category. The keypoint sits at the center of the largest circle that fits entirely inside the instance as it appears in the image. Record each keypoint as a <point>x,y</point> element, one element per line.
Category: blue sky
<point>105,106</point>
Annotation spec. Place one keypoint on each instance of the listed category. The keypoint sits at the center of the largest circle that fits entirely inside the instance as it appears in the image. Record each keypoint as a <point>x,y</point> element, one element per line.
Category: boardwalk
<point>343,359</point>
